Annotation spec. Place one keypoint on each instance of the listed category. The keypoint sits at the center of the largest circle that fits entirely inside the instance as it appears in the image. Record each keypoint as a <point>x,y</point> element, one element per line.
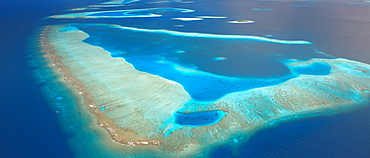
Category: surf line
<point>207,35</point>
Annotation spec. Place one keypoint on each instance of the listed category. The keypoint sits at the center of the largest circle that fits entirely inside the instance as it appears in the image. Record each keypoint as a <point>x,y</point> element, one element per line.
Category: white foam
<point>206,35</point>
<point>88,15</point>
<point>188,19</point>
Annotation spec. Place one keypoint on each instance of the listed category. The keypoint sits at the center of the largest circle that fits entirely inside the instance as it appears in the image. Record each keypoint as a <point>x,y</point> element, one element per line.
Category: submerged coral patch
<point>311,67</point>
<point>220,58</point>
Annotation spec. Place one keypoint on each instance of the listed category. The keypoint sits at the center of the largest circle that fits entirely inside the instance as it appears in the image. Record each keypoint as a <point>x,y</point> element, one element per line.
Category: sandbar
<point>188,19</point>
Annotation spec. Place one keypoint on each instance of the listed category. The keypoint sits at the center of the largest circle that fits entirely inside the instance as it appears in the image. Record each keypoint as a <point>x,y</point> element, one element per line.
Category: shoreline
<point>83,95</point>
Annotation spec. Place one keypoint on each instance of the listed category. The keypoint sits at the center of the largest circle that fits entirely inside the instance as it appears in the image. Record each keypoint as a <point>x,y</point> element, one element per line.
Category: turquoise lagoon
<point>190,59</point>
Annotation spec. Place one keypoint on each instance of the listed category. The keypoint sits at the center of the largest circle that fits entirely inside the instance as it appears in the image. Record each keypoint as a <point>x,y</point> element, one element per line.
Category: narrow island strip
<point>92,73</point>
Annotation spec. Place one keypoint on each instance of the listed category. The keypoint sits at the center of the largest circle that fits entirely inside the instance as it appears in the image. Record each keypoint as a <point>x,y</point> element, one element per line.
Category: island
<point>147,112</point>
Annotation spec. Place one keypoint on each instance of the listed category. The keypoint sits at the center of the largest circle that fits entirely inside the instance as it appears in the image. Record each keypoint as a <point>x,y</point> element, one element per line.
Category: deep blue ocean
<point>30,127</point>
<point>29,98</point>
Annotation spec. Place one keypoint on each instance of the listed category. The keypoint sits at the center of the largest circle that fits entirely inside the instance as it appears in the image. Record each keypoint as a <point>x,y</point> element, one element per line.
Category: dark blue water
<point>31,129</point>
<point>202,118</point>
<point>341,135</point>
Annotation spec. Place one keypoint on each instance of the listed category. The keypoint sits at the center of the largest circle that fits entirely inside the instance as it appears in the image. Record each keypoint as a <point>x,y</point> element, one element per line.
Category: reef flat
<point>120,1</point>
<point>138,108</point>
<point>132,13</point>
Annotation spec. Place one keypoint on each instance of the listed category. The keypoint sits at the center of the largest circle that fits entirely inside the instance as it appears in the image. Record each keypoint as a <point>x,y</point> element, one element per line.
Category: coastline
<point>117,133</point>
<point>83,95</point>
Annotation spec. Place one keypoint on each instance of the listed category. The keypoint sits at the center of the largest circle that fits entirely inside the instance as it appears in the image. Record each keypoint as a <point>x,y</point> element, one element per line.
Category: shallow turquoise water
<point>191,62</point>
<point>344,135</point>
<point>313,69</point>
